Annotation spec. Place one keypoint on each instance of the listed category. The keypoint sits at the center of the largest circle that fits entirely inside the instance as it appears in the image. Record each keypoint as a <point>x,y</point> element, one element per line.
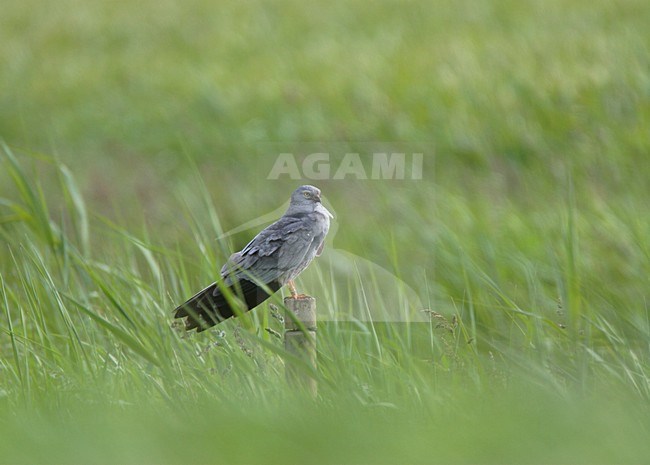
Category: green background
<point>136,133</point>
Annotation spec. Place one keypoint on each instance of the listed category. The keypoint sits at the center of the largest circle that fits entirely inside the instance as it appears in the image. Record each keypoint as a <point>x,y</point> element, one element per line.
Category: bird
<point>272,259</point>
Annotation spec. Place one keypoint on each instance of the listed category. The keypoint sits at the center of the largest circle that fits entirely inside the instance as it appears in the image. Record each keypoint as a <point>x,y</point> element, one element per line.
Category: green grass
<point>136,134</point>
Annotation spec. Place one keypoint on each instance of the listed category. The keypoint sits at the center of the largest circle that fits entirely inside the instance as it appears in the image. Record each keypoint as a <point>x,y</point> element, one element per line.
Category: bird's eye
<point>306,194</point>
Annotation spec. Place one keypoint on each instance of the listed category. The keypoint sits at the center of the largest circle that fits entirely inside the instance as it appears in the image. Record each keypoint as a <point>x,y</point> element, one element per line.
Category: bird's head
<point>305,196</point>
<point>306,199</point>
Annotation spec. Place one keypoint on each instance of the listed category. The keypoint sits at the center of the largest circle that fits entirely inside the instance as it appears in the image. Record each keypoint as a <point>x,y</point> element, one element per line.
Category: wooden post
<point>300,340</point>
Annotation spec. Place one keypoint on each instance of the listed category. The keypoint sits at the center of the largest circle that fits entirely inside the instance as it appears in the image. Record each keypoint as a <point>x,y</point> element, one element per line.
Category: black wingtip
<point>209,307</point>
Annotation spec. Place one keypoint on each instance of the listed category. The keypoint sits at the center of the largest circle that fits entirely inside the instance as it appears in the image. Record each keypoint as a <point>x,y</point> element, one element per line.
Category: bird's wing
<point>274,251</point>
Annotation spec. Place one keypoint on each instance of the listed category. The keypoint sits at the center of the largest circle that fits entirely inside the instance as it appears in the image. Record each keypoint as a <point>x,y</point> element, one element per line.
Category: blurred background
<point>528,228</point>
<point>508,101</point>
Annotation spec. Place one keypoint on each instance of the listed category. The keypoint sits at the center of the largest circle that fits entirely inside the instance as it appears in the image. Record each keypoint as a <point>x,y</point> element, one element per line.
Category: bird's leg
<point>292,288</point>
<point>294,293</point>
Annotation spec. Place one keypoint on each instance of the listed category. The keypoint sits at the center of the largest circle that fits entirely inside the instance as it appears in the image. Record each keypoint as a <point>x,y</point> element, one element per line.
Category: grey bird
<point>275,257</point>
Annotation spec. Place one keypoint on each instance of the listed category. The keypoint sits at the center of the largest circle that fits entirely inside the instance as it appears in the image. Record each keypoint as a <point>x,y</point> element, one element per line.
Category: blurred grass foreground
<point>137,135</point>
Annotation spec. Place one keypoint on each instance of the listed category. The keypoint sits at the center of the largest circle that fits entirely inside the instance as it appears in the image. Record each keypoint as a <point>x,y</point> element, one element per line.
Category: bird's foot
<point>299,296</point>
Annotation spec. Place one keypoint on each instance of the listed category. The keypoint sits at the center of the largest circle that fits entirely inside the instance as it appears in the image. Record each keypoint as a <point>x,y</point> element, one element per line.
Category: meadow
<point>136,145</point>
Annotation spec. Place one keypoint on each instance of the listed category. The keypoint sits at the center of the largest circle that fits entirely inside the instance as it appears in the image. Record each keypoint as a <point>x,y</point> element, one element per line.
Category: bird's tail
<point>210,307</point>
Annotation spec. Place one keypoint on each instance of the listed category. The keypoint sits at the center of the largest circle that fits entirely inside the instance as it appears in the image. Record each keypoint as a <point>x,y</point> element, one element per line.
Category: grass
<point>131,145</point>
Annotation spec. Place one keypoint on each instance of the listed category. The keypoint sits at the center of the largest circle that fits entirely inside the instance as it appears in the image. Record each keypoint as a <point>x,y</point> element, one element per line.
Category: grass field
<point>135,134</point>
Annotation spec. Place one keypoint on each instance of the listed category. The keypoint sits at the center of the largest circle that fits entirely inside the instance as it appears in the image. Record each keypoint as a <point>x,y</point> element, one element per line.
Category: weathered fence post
<point>300,340</point>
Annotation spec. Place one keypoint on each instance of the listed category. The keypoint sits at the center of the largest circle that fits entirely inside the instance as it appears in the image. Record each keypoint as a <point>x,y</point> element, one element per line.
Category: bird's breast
<point>321,210</point>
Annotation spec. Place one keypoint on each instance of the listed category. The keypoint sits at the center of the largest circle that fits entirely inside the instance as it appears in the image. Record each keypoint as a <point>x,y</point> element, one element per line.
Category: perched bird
<point>275,257</point>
